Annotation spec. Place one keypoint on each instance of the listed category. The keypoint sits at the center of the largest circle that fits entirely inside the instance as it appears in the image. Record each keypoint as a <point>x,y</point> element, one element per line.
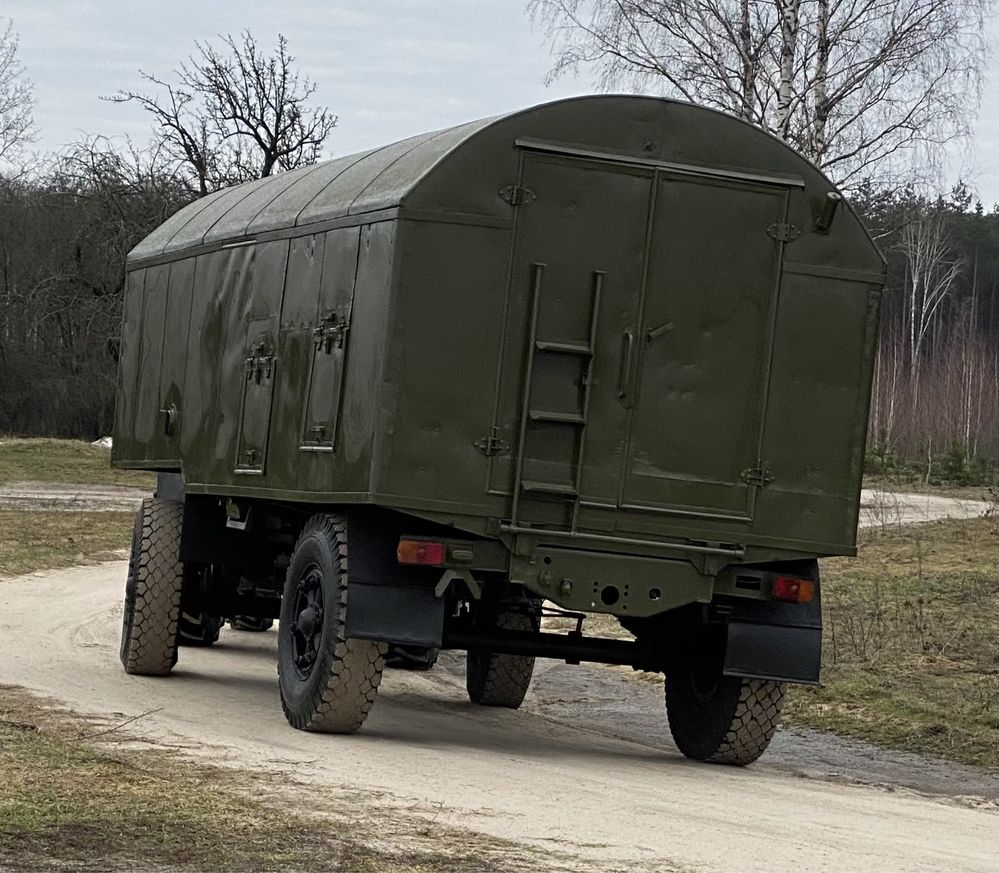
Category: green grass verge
<point>911,643</point>
<point>49,460</point>
<point>72,803</point>
<point>32,541</point>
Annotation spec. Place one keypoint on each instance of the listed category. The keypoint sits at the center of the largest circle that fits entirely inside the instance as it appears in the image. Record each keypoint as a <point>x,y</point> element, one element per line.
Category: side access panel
<point>331,326</point>
<point>255,328</point>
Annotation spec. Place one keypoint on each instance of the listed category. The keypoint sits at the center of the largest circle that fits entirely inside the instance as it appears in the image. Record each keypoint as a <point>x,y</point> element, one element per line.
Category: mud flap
<point>406,614</point>
<point>766,651</point>
<point>770,639</point>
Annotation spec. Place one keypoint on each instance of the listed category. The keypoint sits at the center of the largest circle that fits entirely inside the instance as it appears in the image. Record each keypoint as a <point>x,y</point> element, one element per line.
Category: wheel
<point>251,623</point>
<point>153,590</point>
<point>327,682</point>
<point>198,628</point>
<point>402,657</point>
<point>722,719</point>
<point>502,680</point>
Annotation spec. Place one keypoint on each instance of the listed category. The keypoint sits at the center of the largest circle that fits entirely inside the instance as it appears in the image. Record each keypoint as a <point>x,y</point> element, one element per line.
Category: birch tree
<point>862,87</point>
<point>933,269</point>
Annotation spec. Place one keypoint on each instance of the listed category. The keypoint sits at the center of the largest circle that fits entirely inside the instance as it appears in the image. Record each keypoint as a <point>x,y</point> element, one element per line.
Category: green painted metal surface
<point>608,323</point>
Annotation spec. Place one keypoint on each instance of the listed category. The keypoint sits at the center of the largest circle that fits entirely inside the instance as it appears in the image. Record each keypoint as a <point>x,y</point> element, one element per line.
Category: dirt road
<point>585,773</point>
<point>39,496</point>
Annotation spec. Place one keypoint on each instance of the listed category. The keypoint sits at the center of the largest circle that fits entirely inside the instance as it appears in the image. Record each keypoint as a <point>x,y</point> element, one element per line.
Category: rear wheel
<point>251,623</point>
<point>404,657</point>
<point>153,590</point>
<point>492,679</point>
<point>198,628</point>
<point>716,718</point>
<point>327,682</point>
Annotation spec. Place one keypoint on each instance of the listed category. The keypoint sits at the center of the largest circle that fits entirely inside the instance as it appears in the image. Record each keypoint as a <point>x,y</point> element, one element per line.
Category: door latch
<point>259,364</point>
<point>331,332</point>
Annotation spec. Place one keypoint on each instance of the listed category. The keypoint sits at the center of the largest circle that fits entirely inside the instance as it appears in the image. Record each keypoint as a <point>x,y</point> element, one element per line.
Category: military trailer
<point>605,355</point>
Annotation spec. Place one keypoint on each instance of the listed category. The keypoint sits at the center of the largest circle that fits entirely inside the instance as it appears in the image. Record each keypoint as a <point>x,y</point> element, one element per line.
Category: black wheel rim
<point>307,621</point>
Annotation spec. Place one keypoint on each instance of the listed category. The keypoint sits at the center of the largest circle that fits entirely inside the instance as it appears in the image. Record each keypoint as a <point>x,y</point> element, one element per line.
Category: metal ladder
<point>533,419</point>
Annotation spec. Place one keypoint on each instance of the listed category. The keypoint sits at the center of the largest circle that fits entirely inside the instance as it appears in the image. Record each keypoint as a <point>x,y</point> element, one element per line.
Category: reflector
<point>793,590</point>
<point>421,552</point>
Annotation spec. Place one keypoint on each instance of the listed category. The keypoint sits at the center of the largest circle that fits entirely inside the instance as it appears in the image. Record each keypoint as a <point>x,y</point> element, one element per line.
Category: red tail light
<point>421,552</point>
<point>793,590</point>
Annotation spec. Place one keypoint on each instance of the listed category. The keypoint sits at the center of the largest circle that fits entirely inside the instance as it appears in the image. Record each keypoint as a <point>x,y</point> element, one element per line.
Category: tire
<point>198,629</point>
<point>403,657</point>
<point>327,682</point>
<point>716,718</point>
<point>503,680</point>
<point>153,590</point>
<point>251,623</point>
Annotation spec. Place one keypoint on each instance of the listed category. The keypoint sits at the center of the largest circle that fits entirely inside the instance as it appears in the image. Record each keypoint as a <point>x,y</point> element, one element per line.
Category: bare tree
<point>859,86</point>
<point>17,100</point>
<point>235,113</point>
<point>933,268</point>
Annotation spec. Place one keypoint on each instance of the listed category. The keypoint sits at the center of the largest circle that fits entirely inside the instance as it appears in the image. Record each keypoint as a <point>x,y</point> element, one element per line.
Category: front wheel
<point>153,590</point>
<point>327,682</point>
<point>717,718</point>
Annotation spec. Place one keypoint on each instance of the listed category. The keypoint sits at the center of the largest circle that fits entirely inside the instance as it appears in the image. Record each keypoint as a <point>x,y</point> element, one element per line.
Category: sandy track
<point>38,496</point>
<point>551,778</point>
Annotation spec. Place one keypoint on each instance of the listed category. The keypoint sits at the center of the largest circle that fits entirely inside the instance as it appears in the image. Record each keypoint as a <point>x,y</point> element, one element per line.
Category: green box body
<point>607,326</point>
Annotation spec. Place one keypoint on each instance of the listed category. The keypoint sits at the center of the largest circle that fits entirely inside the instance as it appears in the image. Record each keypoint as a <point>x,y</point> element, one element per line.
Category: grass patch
<point>911,643</point>
<point>32,541</point>
<point>71,803</point>
<point>49,460</point>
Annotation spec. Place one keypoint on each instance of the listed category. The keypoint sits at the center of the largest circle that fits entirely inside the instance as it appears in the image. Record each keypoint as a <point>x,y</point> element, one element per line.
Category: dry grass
<point>918,486</point>
<point>50,460</point>
<point>911,643</point>
<point>32,541</point>
<point>72,803</point>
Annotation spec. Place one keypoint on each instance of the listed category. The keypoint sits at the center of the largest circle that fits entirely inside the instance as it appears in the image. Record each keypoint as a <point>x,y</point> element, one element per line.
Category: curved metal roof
<point>364,182</point>
<point>636,127</point>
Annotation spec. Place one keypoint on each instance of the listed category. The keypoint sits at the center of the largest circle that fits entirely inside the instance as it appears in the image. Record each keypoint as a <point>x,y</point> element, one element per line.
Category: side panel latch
<point>517,195</point>
<point>758,475</point>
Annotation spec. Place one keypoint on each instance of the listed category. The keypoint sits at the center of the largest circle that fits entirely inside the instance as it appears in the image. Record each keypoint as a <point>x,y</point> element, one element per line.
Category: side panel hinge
<point>783,231</point>
<point>492,444</point>
<point>517,195</point>
<point>758,475</point>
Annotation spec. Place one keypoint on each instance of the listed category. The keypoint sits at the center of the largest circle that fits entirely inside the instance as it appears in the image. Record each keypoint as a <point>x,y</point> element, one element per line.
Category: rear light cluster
<point>428,554</point>
<point>793,590</point>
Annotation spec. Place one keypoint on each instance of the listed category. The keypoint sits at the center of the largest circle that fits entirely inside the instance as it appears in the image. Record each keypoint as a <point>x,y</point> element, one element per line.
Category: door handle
<point>627,354</point>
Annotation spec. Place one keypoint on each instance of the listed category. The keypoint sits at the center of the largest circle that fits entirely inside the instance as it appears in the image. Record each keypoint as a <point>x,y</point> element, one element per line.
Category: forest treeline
<point>64,236</point>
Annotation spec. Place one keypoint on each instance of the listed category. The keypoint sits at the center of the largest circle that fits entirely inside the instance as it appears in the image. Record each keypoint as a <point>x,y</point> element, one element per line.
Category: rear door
<point>704,346</point>
<point>574,304</point>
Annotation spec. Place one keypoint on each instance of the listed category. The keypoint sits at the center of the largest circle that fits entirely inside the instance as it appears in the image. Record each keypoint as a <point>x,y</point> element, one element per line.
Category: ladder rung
<point>565,348</point>
<point>549,488</point>
<point>556,417</point>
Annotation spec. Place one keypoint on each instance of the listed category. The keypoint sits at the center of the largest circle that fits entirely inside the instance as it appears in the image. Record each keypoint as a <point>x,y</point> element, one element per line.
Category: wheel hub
<point>307,627</point>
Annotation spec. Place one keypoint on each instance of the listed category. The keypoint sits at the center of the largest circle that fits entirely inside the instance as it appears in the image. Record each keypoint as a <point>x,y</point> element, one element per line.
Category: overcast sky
<point>387,68</point>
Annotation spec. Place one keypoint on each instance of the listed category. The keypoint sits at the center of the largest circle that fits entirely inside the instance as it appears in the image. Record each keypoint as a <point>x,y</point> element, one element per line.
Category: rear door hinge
<point>758,475</point>
<point>493,444</point>
<point>517,195</point>
<point>783,231</point>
